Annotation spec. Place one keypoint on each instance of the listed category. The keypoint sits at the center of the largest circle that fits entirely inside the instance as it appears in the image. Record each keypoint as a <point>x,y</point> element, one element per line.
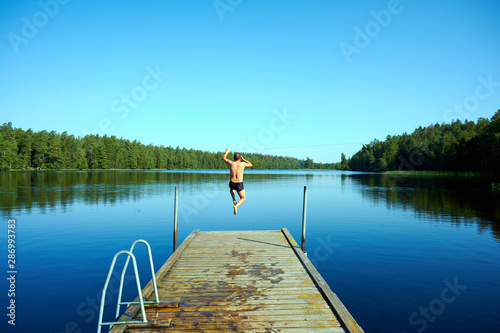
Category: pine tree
<point>25,148</point>
<point>343,162</point>
<point>54,151</point>
<point>309,163</point>
<point>40,148</point>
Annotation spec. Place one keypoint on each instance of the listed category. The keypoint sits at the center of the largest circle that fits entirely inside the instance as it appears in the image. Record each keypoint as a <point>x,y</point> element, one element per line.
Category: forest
<point>28,150</point>
<point>458,147</point>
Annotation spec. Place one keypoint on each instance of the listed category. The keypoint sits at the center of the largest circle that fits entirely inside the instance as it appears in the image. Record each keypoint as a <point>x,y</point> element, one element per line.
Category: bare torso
<point>236,171</point>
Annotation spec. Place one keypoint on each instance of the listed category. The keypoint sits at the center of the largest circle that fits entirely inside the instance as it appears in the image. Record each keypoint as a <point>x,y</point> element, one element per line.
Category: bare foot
<point>234,202</point>
<point>235,210</point>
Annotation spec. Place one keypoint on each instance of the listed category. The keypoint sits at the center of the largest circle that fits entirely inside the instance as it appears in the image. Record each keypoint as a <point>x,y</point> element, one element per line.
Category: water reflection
<point>459,200</point>
<point>25,191</point>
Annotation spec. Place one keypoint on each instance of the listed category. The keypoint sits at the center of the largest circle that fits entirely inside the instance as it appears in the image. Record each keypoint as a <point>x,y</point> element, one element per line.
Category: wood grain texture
<point>240,281</point>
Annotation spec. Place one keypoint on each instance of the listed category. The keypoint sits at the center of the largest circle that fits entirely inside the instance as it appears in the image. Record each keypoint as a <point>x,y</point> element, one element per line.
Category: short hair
<point>237,156</point>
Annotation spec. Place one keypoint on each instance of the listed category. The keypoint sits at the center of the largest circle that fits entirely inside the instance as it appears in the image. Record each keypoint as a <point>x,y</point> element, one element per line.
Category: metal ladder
<point>142,303</point>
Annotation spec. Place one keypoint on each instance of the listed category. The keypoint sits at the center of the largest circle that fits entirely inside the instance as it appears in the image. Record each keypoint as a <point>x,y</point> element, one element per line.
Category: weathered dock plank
<point>240,281</point>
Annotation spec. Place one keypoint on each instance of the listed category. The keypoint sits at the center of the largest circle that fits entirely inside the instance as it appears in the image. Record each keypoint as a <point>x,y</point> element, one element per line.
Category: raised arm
<point>225,156</point>
<point>247,163</point>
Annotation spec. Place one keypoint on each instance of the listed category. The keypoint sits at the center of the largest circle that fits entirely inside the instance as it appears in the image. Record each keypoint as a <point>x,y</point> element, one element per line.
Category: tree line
<point>460,146</point>
<point>28,150</point>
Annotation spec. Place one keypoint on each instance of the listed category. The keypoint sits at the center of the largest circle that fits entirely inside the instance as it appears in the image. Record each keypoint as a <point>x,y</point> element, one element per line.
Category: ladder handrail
<point>157,300</point>
<point>139,290</point>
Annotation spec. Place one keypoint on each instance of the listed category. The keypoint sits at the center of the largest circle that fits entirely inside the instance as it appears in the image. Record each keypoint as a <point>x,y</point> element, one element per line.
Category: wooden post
<point>176,204</point>
<point>304,213</point>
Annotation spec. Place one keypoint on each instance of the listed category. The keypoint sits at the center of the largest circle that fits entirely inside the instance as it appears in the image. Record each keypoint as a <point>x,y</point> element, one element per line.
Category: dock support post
<point>176,210</point>
<point>304,213</point>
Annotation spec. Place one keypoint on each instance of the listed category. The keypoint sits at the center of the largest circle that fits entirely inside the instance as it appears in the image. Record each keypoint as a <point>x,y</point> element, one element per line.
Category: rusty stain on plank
<point>240,281</point>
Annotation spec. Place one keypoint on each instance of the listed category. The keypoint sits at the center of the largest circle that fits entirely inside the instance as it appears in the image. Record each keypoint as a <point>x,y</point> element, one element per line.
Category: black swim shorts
<point>236,186</point>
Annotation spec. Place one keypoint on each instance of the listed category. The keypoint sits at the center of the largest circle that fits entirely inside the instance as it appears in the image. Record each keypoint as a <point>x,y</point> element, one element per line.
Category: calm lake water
<point>404,254</point>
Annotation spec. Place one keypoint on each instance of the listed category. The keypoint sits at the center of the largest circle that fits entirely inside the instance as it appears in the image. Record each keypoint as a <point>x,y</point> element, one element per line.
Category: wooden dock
<point>240,281</point>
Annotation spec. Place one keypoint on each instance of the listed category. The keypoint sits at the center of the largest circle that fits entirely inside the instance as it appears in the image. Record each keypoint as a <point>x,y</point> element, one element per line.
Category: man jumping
<point>236,168</point>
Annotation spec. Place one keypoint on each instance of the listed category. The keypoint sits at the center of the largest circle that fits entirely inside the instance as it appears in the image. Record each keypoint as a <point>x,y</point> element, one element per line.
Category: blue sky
<point>296,78</point>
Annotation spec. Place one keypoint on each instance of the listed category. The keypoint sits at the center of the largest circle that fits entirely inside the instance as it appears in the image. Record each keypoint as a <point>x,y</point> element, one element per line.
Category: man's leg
<point>243,197</point>
<point>232,195</point>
